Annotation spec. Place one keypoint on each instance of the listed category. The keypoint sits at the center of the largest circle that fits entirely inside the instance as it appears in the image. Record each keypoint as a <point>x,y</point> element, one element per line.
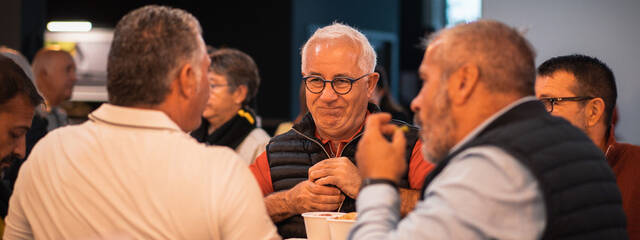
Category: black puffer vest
<point>582,200</point>
<point>292,154</point>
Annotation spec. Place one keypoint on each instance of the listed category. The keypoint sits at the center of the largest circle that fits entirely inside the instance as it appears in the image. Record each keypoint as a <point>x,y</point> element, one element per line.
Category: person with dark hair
<point>383,98</point>
<point>132,171</point>
<point>18,100</point>
<point>506,168</point>
<point>582,90</point>
<point>228,120</point>
<point>39,123</point>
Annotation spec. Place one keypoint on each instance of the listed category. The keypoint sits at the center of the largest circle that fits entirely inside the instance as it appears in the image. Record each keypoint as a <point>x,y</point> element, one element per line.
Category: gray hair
<point>239,69</point>
<point>367,60</point>
<point>149,45</point>
<point>504,57</point>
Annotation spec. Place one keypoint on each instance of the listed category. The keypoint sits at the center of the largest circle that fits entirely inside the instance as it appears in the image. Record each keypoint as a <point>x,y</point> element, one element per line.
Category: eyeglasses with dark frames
<point>341,85</point>
<point>549,102</point>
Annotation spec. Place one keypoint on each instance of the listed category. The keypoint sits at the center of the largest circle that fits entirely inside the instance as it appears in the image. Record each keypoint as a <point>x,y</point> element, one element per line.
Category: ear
<point>594,111</point>
<point>462,83</point>
<point>240,94</point>
<point>186,82</point>
<point>372,81</point>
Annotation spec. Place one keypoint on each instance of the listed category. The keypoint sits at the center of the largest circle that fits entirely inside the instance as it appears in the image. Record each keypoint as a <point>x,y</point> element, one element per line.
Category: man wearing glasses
<point>582,89</point>
<point>311,167</point>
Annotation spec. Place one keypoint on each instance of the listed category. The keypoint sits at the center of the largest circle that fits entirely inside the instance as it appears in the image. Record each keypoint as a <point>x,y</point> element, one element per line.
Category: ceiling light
<point>69,26</point>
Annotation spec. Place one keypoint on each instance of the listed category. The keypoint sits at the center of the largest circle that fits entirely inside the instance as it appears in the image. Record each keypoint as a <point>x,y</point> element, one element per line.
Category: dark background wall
<point>308,15</point>
<point>260,28</point>
<point>271,31</point>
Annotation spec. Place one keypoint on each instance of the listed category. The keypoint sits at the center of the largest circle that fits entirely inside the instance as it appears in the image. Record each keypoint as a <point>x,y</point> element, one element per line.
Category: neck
<point>597,135</point>
<point>221,120</point>
<point>167,108</point>
<point>50,100</point>
<point>468,118</point>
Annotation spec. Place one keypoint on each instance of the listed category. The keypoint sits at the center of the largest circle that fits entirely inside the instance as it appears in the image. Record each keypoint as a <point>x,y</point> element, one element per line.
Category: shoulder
<point>253,145</point>
<point>259,134</point>
<point>623,154</point>
<point>490,164</point>
<point>628,149</point>
<point>289,135</point>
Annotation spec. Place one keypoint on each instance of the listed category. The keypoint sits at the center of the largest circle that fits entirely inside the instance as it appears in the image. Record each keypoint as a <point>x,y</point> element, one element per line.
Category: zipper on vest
<point>345,146</point>
<point>313,140</point>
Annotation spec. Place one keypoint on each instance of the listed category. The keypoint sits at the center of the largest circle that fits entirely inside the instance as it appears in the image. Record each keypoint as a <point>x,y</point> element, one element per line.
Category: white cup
<point>316,224</point>
<point>339,228</point>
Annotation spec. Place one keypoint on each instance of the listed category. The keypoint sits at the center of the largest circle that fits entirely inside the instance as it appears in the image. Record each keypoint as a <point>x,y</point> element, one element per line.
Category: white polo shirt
<point>133,174</point>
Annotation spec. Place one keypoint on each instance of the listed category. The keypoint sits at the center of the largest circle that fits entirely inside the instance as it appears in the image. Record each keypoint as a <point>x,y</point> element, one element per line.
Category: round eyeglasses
<point>549,102</point>
<point>341,85</point>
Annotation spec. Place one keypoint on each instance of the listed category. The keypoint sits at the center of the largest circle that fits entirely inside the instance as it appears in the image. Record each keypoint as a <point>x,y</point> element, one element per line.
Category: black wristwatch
<point>370,181</point>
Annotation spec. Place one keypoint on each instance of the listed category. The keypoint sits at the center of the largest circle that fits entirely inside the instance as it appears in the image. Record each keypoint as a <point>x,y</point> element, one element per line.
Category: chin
<point>208,114</point>
<point>330,123</point>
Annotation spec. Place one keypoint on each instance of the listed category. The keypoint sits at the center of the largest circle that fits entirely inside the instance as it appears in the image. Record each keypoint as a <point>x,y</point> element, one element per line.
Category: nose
<point>20,149</point>
<point>415,103</point>
<point>328,94</point>
<point>74,77</point>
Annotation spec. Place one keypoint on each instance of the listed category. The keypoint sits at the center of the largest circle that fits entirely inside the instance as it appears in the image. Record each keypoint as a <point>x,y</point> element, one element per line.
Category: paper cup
<point>339,228</point>
<point>316,224</point>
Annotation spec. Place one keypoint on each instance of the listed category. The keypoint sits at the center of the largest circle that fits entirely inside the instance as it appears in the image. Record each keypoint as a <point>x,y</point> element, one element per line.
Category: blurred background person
<point>18,99</point>
<point>228,120</point>
<point>38,124</point>
<point>383,98</point>
<point>55,75</point>
<point>582,89</point>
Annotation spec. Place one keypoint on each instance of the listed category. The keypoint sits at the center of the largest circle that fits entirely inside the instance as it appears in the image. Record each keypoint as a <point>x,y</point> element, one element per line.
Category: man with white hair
<point>311,167</point>
<point>132,171</point>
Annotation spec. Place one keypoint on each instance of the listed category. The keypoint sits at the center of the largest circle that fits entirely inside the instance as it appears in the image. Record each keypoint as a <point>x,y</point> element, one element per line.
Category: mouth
<point>330,110</point>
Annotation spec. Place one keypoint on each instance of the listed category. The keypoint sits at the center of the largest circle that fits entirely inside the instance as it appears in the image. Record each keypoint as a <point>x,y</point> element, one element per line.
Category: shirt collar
<point>489,120</point>
<point>133,117</point>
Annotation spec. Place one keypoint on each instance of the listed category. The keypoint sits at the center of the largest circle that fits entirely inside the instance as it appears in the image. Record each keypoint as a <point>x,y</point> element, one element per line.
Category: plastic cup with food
<point>316,224</point>
<point>340,226</point>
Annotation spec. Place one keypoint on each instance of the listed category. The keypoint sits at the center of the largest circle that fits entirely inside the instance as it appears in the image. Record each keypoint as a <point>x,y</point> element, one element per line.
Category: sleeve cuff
<point>378,195</point>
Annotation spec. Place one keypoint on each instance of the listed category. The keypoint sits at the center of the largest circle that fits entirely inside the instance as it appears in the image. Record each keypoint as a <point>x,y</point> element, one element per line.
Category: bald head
<point>55,75</point>
<point>505,59</point>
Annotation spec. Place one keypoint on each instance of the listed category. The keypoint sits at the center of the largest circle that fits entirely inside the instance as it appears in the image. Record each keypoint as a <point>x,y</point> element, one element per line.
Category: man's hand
<point>376,156</point>
<point>303,197</point>
<point>339,172</point>
<point>308,196</point>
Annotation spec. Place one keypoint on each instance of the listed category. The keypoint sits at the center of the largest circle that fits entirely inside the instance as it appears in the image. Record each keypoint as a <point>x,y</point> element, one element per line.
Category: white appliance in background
<point>90,51</point>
